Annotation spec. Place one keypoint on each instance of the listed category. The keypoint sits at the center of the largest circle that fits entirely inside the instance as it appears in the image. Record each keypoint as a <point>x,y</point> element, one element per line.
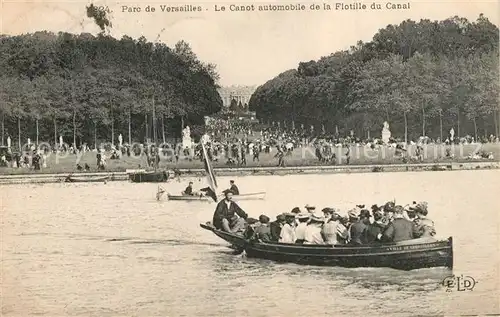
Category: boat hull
<point>189,198</point>
<point>70,179</point>
<point>409,255</point>
<point>236,241</point>
<point>148,177</point>
<point>401,257</point>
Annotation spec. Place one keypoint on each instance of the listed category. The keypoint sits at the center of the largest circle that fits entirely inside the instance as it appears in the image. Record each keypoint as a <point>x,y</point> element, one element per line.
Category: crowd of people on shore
<point>240,142</point>
<point>377,224</point>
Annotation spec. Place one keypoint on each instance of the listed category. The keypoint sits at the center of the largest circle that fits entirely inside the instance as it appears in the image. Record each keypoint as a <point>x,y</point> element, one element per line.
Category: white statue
<point>186,138</point>
<point>186,132</point>
<point>8,142</point>
<point>452,134</point>
<point>29,141</point>
<point>61,141</point>
<point>205,138</point>
<point>120,139</point>
<point>386,133</point>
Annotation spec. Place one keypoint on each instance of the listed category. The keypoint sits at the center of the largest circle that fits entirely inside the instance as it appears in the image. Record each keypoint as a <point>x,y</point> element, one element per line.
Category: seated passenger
<point>226,215</point>
<point>374,231</point>
<point>313,230</point>
<point>234,188</point>
<point>300,230</point>
<point>189,190</point>
<point>357,230</point>
<point>329,230</point>
<point>389,211</point>
<point>342,231</point>
<point>287,234</point>
<point>263,230</point>
<point>400,229</point>
<point>423,226</point>
<point>276,226</point>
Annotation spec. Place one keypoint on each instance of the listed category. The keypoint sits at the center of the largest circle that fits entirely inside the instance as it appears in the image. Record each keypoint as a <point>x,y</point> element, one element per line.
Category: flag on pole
<point>212,182</point>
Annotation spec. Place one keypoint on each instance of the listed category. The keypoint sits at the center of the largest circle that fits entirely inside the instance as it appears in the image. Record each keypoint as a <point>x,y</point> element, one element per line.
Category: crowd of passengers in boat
<point>381,224</point>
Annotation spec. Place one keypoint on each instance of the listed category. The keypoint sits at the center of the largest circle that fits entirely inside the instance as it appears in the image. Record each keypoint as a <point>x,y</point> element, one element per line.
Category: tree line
<point>89,88</point>
<point>424,78</point>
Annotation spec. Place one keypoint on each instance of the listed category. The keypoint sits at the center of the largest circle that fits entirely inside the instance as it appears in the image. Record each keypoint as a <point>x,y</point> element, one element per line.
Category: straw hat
<point>420,207</point>
<point>364,213</point>
<point>309,207</point>
<point>317,218</point>
<point>352,213</point>
<point>303,216</point>
<point>328,210</point>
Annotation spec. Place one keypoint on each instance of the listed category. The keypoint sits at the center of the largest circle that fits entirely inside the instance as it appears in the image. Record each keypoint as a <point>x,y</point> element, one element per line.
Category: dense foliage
<point>91,88</point>
<point>423,78</point>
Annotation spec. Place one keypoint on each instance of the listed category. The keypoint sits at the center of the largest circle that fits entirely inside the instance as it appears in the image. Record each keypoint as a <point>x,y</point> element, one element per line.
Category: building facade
<point>239,93</point>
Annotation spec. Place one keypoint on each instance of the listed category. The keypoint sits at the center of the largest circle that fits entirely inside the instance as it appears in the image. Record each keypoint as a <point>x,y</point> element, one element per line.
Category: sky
<point>248,48</point>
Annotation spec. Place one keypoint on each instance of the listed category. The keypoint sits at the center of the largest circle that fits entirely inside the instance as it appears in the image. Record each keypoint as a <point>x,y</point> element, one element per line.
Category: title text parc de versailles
<point>272,7</point>
<point>301,7</point>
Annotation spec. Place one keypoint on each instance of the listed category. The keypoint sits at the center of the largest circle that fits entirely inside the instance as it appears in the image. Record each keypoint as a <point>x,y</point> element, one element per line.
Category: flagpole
<point>212,182</point>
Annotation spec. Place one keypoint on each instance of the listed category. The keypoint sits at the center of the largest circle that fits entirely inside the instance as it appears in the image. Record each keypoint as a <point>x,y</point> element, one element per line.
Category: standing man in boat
<point>234,188</point>
<point>228,216</point>
<point>189,190</point>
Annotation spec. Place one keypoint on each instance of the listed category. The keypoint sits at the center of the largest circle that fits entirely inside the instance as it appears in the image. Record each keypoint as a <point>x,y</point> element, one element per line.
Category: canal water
<point>113,250</point>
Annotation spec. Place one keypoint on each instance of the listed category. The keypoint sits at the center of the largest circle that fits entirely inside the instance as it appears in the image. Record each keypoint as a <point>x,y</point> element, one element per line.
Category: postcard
<point>265,158</point>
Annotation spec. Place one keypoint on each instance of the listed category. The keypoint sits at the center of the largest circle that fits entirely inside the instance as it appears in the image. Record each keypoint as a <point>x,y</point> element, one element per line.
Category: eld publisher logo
<point>459,283</point>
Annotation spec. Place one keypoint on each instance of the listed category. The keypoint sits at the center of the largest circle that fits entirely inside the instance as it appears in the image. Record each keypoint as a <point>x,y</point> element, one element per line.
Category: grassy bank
<point>66,163</point>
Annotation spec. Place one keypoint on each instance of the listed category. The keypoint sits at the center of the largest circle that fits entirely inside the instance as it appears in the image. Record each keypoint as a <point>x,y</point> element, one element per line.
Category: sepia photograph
<point>330,158</point>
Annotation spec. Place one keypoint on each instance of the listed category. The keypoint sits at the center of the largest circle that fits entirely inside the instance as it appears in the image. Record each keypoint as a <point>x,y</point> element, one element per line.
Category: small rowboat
<point>407,255</point>
<point>250,196</point>
<point>149,177</point>
<point>71,179</point>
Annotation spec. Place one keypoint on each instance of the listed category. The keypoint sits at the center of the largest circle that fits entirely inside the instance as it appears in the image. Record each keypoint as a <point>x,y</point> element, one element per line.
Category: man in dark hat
<point>189,190</point>
<point>374,231</point>
<point>400,229</point>
<point>234,188</point>
<point>263,231</point>
<point>389,211</point>
<point>226,214</point>
<point>357,229</point>
<point>276,227</point>
<point>295,210</point>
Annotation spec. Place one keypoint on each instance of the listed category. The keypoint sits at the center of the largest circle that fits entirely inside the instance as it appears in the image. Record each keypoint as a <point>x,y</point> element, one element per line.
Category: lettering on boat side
<point>408,247</point>
<point>459,283</point>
